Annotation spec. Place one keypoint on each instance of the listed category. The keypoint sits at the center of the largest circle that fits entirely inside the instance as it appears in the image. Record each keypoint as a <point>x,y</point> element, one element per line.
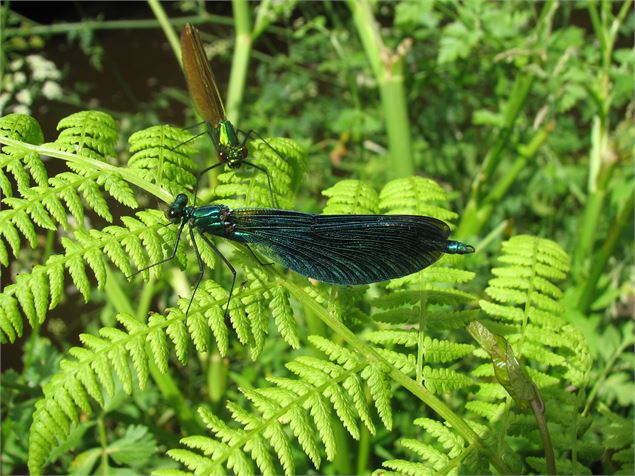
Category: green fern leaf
<point>375,377</point>
<point>199,330</point>
<point>448,439</point>
<point>42,205</point>
<point>444,380</point>
<point>25,298</point>
<point>406,363</point>
<point>161,154</point>
<point>263,459</point>
<point>177,332</point>
<point>524,292</point>
<point>436,458</point>
<point>17,160</point>
<point>158,342</point>
<point>489,411</point>
<point>415,196</point>
<point>10,318</point>
<point>87,374</point>
<point>21,127</point>
<point>92,134</point>
<point>322,390</point>
<point>406,467</point>
<point>351,197</point>
<point>283,316</point>
<point>10,234</point>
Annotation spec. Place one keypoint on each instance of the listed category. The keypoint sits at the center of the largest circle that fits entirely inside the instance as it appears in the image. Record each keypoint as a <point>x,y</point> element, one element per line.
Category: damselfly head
<point>177,209</point>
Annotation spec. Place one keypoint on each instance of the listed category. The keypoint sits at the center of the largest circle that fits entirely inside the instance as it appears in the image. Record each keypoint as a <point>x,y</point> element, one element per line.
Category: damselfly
<point>337,249</point>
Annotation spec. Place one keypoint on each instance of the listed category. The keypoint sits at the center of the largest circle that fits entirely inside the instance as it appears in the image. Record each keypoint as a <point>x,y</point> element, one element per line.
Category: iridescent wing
<point>199,77</point>
<point>343,249</point>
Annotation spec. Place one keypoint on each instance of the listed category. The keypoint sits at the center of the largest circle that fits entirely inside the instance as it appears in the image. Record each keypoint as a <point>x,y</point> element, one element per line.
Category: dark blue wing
<point>343,249</point>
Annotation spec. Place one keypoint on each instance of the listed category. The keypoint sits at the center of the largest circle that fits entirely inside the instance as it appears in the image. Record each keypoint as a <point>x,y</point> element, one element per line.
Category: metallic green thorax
<point>230,151</point>
<point>211,219</point>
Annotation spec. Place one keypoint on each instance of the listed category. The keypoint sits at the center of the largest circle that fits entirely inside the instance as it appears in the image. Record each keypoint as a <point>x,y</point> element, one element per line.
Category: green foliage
<point>516,116</point>
<point>525,305</point>
<point>162,155</point>
<point>351,196</point>
<point>298,411</point>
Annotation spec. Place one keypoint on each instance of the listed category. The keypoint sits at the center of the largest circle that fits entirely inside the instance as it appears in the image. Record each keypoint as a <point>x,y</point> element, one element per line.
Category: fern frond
<point>139,242</point>
<point>22,164</point>
<point>88,374</point>
<point>322,391</point>
<point>123,355</point>
<point>351,197</point>
<point>48,204</point>
<point>162,156</point>
<point>525,307</point>
<point>248,186</point>
<point>525,293</point>
<point>91,134</point>
<point>435,450</point>
<point>415,196</point>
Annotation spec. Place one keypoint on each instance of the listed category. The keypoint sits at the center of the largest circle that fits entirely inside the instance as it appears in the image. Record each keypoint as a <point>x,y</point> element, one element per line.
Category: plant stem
<point>606,251</point>
<point>599,175</point>
<point>601,379</point>
<point>167,28</point>
<point>387,67</point>
<point>64,28</point>
<point>473,223</point>
<point>413,387</point>
<point>538,411</point>
<point>363,450</point>
<point>103,442</point>
<point>470,220</point>
<point>600,163</point>
<point>125,173</point>
<point>240,60</point>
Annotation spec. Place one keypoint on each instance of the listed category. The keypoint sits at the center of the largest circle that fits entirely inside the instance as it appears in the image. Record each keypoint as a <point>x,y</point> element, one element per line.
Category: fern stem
<point>538,410</point>
<point>124,172</point>
<point>167,28</point>
<point>413,387</point>
<point>363,450</point>
<point>103,442</point>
